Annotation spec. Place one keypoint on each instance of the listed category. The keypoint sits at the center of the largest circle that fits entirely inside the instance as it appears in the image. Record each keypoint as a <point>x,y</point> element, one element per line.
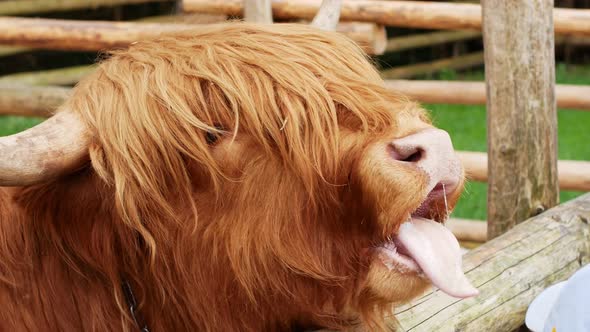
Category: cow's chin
<point>395,283</point>
<point>393,275</point>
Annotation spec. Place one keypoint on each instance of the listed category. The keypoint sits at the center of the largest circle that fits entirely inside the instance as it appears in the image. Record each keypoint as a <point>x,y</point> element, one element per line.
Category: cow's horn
<point>53,148</point>
<point>328,15</point>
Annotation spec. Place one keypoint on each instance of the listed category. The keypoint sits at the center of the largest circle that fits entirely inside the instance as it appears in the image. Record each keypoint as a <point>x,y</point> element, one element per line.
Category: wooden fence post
<point>521,111</point>
<point>258,11</point>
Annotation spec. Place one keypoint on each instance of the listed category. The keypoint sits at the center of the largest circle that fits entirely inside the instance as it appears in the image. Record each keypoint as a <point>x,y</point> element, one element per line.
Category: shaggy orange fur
<point>232,181</point>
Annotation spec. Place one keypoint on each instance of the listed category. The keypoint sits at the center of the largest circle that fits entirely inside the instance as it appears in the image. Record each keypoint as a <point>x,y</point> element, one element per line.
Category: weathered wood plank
<point>99,35</point>
<point>521,111</point>
<point>61,76</point>
<point>177,19</point>
<point>572,174</point>
<point>328,15</point>
<point>372,38</point>
<point>575,97</point>
<point>79,35</point>
<point>257,11</point>
<point>458,62</point>
<point>31,100</point>
<point>468,230</point>
<point>413,14</point>
<point>11,50</point>
<point>403,43</point>
<point>401,13</point>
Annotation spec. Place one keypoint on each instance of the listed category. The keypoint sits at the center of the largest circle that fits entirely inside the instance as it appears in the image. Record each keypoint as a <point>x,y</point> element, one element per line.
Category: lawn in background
<point>467,127</point>
<point>13,124</point>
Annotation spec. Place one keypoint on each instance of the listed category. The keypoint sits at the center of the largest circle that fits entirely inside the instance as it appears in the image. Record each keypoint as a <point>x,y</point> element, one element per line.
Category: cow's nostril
<point>410,154</point>
<point>414,157</point>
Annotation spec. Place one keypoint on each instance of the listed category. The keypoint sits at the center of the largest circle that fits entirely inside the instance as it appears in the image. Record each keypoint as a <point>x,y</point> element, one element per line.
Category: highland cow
<point>239,177</point>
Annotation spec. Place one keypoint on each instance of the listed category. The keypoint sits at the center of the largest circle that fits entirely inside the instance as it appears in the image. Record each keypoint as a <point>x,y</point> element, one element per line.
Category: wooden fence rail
<point>59,76</point>
<point>180,18</point>
<point>573,174</point>
<point>11,50</point>
<point>99,35</point>
<point>429,39</point>
<point>31,100</point>
<point>468,230</point>
<point>413,14</point>
<point>474,93</point>
<point>458,62</point>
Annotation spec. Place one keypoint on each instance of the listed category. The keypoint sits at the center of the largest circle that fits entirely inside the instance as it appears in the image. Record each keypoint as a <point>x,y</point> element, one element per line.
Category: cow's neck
<point>69,251</point>
<point>66,252</point>
<point>61,256</point>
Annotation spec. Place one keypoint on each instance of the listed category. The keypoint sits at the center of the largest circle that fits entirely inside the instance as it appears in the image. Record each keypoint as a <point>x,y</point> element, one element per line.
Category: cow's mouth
<point>424,247</point>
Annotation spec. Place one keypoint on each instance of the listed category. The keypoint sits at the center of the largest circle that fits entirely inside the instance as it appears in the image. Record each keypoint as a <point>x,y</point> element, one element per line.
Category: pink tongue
<point>437,252</point>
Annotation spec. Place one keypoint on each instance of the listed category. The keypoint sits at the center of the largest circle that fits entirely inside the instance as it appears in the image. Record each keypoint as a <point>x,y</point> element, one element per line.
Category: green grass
<point>12,124</point>
<point>467,126</point>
